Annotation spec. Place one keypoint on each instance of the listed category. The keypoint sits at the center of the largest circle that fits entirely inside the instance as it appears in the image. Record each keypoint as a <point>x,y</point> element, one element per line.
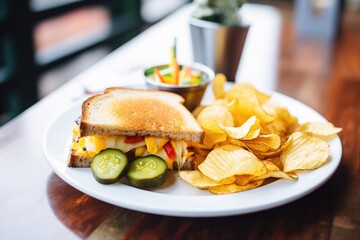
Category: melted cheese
<point>89,146</point>
<point>76,131</point>
<point>154,144</point>
<point>181,152</point>
<point>95,144</point>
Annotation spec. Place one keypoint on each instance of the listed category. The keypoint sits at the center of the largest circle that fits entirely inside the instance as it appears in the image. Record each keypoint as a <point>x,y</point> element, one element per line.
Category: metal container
<point>218,46</point>
<point>191,93</point>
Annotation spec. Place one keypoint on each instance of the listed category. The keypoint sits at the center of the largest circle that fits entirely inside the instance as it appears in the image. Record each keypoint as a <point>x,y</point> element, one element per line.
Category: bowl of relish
<point>189,81</point>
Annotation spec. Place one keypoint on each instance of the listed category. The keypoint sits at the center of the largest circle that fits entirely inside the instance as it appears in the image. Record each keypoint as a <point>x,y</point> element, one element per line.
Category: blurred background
<point>45,43</point>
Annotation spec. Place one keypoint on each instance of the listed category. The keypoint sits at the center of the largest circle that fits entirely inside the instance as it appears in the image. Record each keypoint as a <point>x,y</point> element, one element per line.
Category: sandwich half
<point>137,122</point>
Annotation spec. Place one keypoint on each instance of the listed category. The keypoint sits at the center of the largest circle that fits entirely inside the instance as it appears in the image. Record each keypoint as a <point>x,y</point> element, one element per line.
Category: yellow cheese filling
<point>89,146</point>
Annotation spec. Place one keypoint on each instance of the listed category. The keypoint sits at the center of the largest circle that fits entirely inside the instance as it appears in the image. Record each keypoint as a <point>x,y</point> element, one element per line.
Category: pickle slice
<point>147,172</point>
<point>109,165</point>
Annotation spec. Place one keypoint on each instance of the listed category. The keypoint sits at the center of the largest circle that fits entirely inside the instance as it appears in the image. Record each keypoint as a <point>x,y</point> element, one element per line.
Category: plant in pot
<point>218,35</point>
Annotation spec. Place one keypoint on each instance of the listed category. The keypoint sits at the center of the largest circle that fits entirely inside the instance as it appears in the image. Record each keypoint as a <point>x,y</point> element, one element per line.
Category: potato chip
<point>275,161</point>
<point>233,188</point>
<point>216,113</point>
<point>274,172</point>
<point>325,131</point>
<point>228,180</point>
<point>244,179</point>
<point>236,142</point>
<point>246,87</point>
<point>229,160</point>
<point>197,179</point>
<point>304,152</point>
<point>249,130</point>
<point>213,134</point>
<point>270,166</point>
<point>264,143</point>
<point>273,154</point>
<point>270,106</point>
<point>246,105</point>
<point>278,174</point>
<point>198,110</point>
<point>284,123</point>
<point>221,102</point>
<point>208,120</point>
<point>218,85</point>
<point>254,133</point>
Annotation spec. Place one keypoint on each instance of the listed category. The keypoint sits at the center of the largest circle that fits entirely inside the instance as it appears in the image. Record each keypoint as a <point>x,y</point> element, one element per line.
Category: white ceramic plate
<point>177,198</point>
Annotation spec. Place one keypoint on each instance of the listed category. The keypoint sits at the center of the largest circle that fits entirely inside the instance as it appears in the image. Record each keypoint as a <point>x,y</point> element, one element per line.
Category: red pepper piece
<point>170,151</point>
<point>133,139</point>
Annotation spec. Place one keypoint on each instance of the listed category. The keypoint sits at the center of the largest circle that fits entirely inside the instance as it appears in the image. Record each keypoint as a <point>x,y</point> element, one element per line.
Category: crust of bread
<point>77,161</point>
<point>130,112</point>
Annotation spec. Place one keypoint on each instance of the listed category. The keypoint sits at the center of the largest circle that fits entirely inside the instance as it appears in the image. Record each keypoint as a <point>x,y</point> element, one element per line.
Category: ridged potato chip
<point>325,131</point>
<point>229,160</point>
<point>274,171</point>
<point>197,179</point>
<point>233,188</point>
<point>273,154</point>
<point>264,143</point>
<point>304,152</point>
<point>249,130</point>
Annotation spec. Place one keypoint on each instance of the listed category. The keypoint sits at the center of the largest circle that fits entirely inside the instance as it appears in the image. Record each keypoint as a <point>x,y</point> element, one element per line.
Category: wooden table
<point>36,204</point>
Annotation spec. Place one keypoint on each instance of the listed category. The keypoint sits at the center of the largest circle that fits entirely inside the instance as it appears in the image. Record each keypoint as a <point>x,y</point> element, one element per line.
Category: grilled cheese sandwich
<point>137,122</point>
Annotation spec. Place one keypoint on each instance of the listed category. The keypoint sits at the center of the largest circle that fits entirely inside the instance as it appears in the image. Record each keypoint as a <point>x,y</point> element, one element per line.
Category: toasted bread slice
<point>131,112</point>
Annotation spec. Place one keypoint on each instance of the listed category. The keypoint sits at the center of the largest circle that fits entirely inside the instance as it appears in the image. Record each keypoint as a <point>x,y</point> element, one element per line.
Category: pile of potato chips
<point>249,138</point>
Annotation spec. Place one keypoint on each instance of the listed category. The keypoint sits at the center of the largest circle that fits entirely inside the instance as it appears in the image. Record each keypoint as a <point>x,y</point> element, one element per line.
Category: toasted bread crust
<point>78,161</point>
<point>130,112</point>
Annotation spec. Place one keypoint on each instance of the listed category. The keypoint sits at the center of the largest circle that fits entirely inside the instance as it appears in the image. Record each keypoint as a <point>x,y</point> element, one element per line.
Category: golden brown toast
<point>132,112</point>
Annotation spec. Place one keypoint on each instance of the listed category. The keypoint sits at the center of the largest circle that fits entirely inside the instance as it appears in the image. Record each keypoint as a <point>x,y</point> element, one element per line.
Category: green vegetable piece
<point>147,172</point>
<point>109,165</point>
